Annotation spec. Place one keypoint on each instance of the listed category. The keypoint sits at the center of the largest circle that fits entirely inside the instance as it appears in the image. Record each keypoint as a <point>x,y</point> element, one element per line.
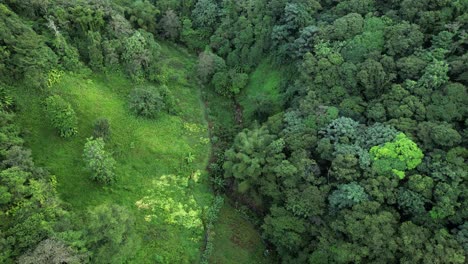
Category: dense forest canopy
<point>364,161</point>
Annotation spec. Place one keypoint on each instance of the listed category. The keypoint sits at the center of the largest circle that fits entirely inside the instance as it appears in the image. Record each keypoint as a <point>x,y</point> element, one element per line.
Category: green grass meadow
<point>264,84</point>
<point>166,194</point>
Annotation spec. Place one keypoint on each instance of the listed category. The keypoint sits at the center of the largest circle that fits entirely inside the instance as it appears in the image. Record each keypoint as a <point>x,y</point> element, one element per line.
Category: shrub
<point>102,129</point>
<point>150,101</point>
<point>98,161</point>
<point>62,116</point>
<point>146,102</point>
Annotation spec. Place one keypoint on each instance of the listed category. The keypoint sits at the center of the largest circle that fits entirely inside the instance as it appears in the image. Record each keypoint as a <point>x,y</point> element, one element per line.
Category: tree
<point>244,161</point>
<point>192,38</point>
<point>205,15</point>
<point>347,195</point>
<point>342,130</point>
<point>140,56</point>
<point>307,203</point>
<point>209,64</point>
<point>370,231</point>
<point>373,79</point>
<point>95,57</point>
<point>438,134</point>
<point>146,102</point>
<point>284,229</point>
<point>403,39</point>
<point>51,251</point>
<point>348,26</point>
<point>98,161</point>
<point>170,25</point>
<point>61,115</point>
<point>109,233</point>
<point>142,14</point>
<point>396,157</point>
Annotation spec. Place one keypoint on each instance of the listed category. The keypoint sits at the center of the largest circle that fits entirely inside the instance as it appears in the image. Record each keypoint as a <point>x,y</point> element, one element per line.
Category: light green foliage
<point>261,97</point>
<point>143,150</point>
<point>61,115</point>
<point>370,41</point>
<point>396,157</point>
<point>98,161</point>
<point>54,77</point>
<point>169,201</point>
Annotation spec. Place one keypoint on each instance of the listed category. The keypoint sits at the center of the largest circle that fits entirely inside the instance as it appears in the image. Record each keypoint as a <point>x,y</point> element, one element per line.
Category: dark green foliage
<point>28,201</point>
<point>142,15</point>
<point>347,195</point>
<point>205,15</point>
<point>102,129</point>
<point>61,115</point>
<point>100,163</point>
<point>365,162</point>
<point>140,56</point>
<point>403,39</point>
<point>23,52</point>
<point>209,64</point>
<point>146,102</point>
<point>210,219</point>
<point>149,101</point>
<point>109,233</point>
<point>284,229</point>
<point>170,25</point>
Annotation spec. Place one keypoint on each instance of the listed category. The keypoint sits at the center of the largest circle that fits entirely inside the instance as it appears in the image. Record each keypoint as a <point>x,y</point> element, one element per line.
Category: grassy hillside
<point>166,194</point>
<point>262,90</point>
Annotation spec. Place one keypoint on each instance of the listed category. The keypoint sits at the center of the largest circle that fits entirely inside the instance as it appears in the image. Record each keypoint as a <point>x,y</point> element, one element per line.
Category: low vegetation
<point>204,131</point>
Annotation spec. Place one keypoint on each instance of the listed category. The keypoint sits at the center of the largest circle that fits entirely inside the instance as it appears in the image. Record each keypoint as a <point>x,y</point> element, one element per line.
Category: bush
<point>62,116</point>
<point>102,129</point>
<point>98,161</point>
<point>150,101</point>
<point>146,102</point>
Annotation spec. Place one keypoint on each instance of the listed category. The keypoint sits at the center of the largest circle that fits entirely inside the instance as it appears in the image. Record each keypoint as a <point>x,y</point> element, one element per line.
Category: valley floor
<point>167,194</point>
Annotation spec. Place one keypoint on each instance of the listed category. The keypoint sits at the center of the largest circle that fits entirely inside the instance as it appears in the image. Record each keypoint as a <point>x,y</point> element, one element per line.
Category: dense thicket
<point>367,162</point>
